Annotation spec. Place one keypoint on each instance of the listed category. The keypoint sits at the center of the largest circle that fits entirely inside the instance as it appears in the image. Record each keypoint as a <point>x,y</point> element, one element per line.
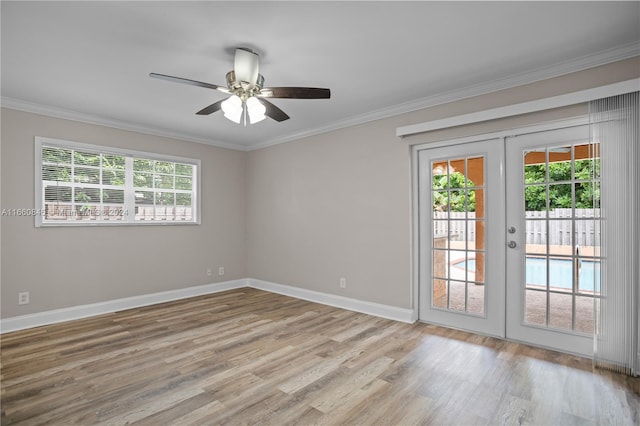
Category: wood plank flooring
<point>251,357</point>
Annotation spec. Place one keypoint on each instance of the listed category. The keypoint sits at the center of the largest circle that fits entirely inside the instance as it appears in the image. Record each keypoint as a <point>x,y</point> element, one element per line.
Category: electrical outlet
<point>343,283</point>
<point>209,272</point>
<point>24,298</point>
<point>221,270</point>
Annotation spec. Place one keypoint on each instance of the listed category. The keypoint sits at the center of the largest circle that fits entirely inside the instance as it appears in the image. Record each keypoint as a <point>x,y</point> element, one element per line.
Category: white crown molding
<point>83,311</point>
<point>356,305</point>
<point>619,53</point>
<point>567,99</point>
<point>579,64</point>
<point>50,111</point>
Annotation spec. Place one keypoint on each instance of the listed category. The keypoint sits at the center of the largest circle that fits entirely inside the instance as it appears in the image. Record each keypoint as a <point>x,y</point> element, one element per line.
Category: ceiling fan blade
<point>190,82</point>
<point>295,93</point>
<point>273,111</point>
<point>217,106</point>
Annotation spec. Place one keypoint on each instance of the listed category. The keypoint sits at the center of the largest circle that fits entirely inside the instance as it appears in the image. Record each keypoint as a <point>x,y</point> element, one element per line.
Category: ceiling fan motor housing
<point>243,88</point>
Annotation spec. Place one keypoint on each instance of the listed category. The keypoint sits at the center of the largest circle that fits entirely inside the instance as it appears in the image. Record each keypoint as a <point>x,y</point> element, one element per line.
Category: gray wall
<point>63,267</point>
<point>339,204</point>
<point>333,206</point>
<point>304,213</point>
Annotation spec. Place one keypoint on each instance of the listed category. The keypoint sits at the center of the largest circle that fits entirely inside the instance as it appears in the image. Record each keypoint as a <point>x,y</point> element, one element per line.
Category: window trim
<point>128,153</point>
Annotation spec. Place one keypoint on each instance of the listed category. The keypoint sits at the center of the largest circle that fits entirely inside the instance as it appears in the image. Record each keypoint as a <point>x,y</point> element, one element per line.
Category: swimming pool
<point>560,272</point>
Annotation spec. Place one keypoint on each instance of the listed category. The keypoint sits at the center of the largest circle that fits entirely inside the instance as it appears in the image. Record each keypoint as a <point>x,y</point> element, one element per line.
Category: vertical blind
<point>614,124</point>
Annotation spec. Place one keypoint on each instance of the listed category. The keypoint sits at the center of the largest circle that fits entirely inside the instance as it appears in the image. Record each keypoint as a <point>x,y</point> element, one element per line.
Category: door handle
<point>512,244</point>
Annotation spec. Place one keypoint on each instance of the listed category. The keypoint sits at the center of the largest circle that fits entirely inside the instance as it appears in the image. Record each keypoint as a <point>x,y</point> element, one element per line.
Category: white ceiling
<point>91,60</point>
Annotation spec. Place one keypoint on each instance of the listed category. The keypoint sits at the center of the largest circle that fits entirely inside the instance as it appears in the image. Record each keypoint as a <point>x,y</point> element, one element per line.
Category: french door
<point>508,237</point>
<point>553,255</point>
<point>461,216</point>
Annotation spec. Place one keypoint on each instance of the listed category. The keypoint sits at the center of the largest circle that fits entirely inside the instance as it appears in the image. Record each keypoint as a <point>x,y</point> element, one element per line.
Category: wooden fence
<point>586,230</point>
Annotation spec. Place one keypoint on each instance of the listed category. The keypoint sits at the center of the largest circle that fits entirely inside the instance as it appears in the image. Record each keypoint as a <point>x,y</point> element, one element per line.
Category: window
<point>80,184</point>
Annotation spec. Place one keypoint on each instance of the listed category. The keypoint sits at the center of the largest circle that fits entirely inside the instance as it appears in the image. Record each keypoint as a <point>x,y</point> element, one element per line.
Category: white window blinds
<point>80,184</point>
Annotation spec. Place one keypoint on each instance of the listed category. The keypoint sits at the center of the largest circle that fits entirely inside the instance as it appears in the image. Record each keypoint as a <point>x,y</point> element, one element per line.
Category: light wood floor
<point>247,356</point>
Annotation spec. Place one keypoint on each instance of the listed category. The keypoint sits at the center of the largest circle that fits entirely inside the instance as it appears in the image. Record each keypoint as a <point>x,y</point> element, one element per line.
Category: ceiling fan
<point>248,101</point>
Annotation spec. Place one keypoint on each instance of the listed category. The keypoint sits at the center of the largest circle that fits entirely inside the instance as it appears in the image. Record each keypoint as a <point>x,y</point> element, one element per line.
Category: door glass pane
<point>457,172</point>
<point>535,307</point>
<point>440,264</point>
<point>475,298</point>
<point>535,167</point>
<point>561,270</point>
<point>458,231</point>
<point>457,300</point>
<point>440,293</point>
<point>562,263</point>
<point>476,171</point>
<point>536,232</point>
<point>560,196</point>
<point>584,314</point>
<point>440,233</point>
<point>477,268</point>
<point>476,200</point>
<point>560,311</point>
<point>559,164</point>
<point>587,253</point>
<point>458,194</point>
<point>589,276</point>
<point>536,272</point>
<point>535,200</point>
<point>560,234</point>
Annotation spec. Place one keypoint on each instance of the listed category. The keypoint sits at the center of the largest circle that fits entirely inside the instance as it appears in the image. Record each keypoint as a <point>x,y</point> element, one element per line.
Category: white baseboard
<point>84,311</point>
<point>375,309</point>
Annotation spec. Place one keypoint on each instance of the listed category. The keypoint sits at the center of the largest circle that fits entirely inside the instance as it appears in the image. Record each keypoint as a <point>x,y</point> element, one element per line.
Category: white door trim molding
<point>567,99</point>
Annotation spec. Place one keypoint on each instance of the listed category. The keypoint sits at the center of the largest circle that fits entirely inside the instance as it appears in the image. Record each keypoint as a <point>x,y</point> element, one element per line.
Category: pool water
<point>560,272</point>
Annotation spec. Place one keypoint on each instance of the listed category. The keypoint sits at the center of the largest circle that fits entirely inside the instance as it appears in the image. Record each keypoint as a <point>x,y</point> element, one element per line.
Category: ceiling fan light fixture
<point>232,108</point>
<point>256,110</point>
